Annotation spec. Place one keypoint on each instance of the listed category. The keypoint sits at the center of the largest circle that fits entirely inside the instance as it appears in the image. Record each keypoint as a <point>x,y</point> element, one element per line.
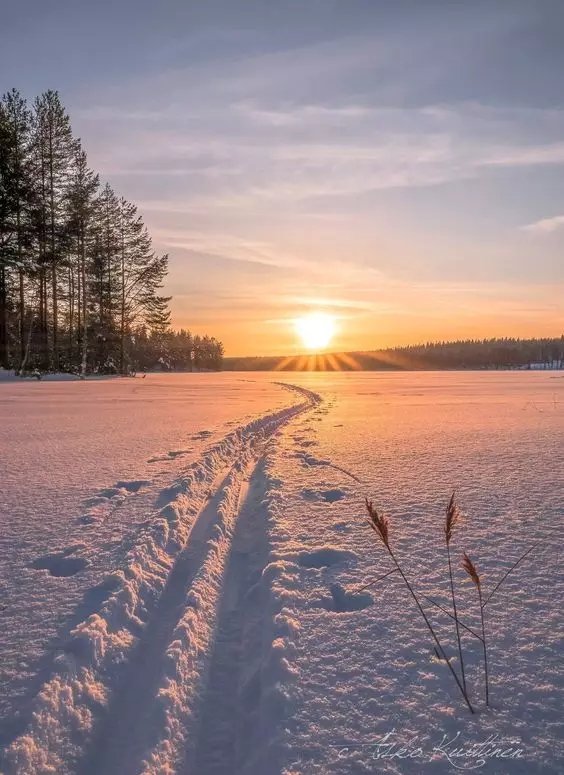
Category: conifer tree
<point>7,220</point>
<point>54,147</point>
<point>15,150</point>
<point>83,207</point>
<point>141,276</point>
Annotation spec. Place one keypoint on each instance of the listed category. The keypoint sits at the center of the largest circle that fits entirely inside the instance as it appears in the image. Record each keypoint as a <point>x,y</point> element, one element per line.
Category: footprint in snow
<point>303,444</point>
<point>87,519</point>
<point>118,488</point>
<point>329,496</point>
<point>95,596</point>
<point>324,557</point>
<point>61,563</point>
<point>344,602</point>
<point>167,495</point>
<point>172,455</point>
<point>133,486</point>
<point>97,500</point>
<point>109,492</point>
<point>309,460</point>
<point>202,435</point>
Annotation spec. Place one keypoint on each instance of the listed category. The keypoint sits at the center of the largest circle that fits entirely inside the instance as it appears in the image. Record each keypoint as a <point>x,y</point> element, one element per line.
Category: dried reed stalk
<point>470,569</point>
<point>452,519</point>
<point>380,524</point>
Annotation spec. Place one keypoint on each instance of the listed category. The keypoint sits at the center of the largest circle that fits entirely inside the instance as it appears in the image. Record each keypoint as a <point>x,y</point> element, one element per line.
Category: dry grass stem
<point>371,583</point>
<point>471,570</point>
<point>515,565</point>
<point>380,524</point>
<point>452,518</point>
<point>448,613</point>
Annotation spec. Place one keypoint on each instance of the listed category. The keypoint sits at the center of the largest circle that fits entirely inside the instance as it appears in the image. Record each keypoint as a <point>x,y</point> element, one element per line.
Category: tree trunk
<point>55,318</point>
<point>84,309</point>
<point>42,344</point>
<point>71,311</point>
<point>28,345</point>
<point>22,318</point>
<point>79,296</point>
<point>3,319</point>
<point>45,323</point>
<point>20,252</point>
<point>122,315</point>
<point>53,256</point>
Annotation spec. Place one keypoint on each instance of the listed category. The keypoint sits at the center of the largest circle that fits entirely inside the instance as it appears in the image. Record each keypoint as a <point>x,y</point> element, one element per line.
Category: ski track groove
<point>223,737</point>
<point>156,682</point>
<point>128,721</point>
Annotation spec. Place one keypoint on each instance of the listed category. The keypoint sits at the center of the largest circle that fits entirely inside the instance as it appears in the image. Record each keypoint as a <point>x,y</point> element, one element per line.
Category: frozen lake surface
<point>180,554</point>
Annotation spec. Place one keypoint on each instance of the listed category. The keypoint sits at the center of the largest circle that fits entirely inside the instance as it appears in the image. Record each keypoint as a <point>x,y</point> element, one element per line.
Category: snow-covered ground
<point>82,466</point>
<point>181,557</point>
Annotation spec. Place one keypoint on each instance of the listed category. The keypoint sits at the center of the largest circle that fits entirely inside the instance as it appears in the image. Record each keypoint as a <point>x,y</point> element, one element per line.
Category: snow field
<point>152,636</point>
<point>237,639</point>
<point>364,691</point>
<point>84,466</point>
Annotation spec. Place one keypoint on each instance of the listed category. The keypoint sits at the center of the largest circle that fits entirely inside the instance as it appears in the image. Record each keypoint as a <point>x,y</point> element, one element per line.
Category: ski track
<point>167,676</point>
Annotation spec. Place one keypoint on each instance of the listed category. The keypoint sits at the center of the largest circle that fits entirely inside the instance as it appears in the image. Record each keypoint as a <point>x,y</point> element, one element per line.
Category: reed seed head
<point>470,569</point>
<point>452,518</point>
<point>379,522</point>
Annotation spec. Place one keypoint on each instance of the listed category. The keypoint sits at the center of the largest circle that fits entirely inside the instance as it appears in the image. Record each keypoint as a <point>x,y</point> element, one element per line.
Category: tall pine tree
<point>141,276</point>
<point>54,147</point>
<point>83,209</point>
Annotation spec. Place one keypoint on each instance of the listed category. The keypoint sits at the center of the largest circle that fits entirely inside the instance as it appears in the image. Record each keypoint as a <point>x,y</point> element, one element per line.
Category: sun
<point>316,330</point>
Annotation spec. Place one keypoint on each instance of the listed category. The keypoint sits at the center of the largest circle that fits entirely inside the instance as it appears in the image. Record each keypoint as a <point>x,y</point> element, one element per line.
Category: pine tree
<point>83,186</point>
<point>54,147</point>
<point>7,219</point>
<point>105,277</point>
<point>16,197</point>
<point>141,275</point>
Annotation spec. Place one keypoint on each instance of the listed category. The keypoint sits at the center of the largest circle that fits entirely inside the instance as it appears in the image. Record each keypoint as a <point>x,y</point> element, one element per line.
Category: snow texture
<point>207,609</point>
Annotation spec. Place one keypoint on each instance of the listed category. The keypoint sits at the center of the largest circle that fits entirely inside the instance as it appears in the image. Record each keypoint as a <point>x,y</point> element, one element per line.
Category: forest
<point>80,283</point>
<point>467,354</point>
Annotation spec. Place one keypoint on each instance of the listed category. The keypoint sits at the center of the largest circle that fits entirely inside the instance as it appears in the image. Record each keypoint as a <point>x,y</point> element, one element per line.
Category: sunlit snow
<point>183,560</point>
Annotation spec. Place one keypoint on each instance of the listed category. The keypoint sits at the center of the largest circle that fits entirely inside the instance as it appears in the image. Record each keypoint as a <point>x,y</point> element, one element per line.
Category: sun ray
<point>349,361</point>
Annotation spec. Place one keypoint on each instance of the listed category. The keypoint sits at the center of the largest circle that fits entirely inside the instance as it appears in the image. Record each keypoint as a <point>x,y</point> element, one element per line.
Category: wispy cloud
<point>244,153</point>
<point>545,225</point>
<point>229,247</point>
<point>552,153</point>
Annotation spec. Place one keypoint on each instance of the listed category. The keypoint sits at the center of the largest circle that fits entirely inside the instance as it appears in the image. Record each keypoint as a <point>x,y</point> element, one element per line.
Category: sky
<point>398,165</point>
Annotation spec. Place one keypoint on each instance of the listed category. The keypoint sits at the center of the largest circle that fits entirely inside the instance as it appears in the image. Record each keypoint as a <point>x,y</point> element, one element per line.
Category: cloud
<point>545,225</point>
<point>528,156</point>
<point>229,247</point>
<point>250,153</point>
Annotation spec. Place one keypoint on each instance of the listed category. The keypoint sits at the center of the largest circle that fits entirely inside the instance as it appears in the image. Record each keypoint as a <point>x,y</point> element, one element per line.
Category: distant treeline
<point>175,351</point>
<point>468,354</point>
<point>79,280</point>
